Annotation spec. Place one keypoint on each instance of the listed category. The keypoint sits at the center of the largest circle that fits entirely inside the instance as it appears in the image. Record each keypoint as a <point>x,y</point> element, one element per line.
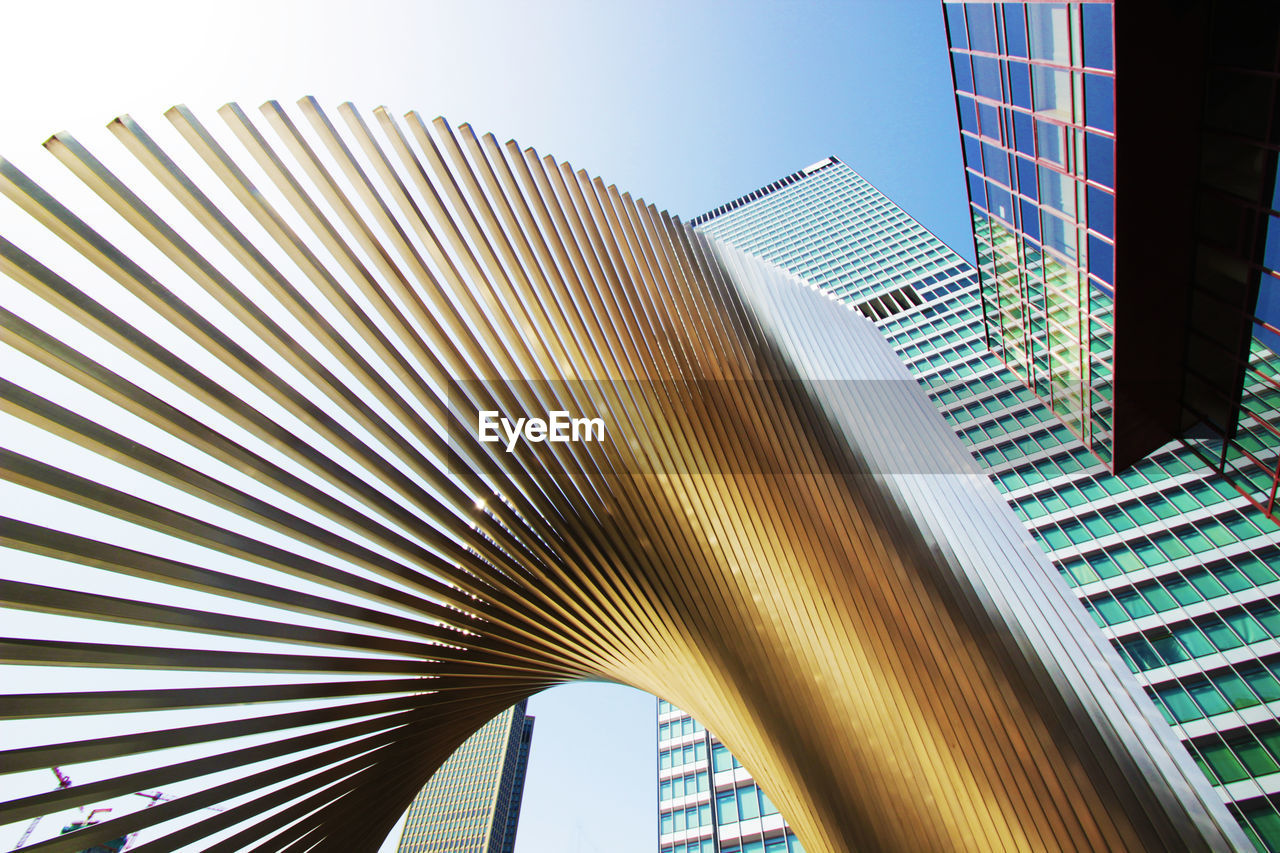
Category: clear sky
<point>688,104</point>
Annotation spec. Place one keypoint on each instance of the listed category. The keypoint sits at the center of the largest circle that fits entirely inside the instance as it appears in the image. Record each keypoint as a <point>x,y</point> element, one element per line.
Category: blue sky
<point>688,104</point>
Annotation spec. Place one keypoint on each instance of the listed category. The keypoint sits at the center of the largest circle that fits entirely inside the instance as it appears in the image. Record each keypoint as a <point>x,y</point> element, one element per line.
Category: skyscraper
<point>472,803</point>
<point>1178,569</point>
<point>1126,238</point>
<point>1128,276</point>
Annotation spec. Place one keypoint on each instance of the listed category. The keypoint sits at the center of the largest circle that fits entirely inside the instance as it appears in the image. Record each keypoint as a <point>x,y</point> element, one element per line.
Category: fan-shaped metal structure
<point>261,559</point>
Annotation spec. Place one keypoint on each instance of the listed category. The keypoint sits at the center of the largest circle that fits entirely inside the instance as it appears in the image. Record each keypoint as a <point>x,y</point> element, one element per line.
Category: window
<point>1049,32</point>
<point>727,808</point>
<point>1019,84</point>
<point>748,803</point>
<point>1095,20</point>
<point>1100,152</point>
<point>1052,89</point>
<point>982,28</point>
<point>1099,102</point>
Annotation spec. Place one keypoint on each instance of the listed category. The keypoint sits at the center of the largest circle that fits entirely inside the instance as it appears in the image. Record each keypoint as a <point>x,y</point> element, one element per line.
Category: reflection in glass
<point>1058,191</point>
<point>955,25</point>
<point>1050,33</point>
<point>972,152</point>
<point>986,78</point>
<point>1099,102</point>
<point>1100,153</point>
<point>1102,256</point>
<point>1271,253</point>
<point>1027,177</point>
<point>1000,203</point>
<point>968,115</point>
<point>1024,134</point>
<point>1052,91</point>
<point>1095,21</point>
<point>1268,309</point>
<point>1015,30</point>
<point>989,120</point>
<point>982,27</point>
<point>964,74</point>
<point>1059,236</point>
<point>1019,84</point>
<point>1030,220</point>
<point>977,191</point>
<point>996,164</point>
<point>1050,138</point>
<point>1102,212</point>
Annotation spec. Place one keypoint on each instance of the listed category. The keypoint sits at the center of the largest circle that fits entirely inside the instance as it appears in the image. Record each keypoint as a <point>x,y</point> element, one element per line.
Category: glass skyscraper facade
<point>472,803</point>
<point>1179,570</point>
<point>1184,255</point>
<point>1046,125</point>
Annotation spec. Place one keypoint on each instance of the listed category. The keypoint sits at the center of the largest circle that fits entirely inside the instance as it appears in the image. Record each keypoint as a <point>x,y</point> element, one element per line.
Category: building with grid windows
<point>739,818</point>
<point>1179,570</point>
<point>1124,211</point>
<point>472,803</point>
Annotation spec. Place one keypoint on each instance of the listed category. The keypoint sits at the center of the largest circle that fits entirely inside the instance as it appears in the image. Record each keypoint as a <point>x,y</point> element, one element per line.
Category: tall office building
<point>1128,276</point>
<point>1178,569</point>
<point>472,803</point>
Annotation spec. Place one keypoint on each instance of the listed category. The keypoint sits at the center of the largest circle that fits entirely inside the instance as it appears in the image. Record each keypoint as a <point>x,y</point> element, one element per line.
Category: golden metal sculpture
<point>776,533</point>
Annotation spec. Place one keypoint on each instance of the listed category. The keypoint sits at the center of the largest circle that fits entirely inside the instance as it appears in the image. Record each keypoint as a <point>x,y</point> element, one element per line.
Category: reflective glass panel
<point>748,803</point>
<point>1102,211</point>
<point>986,78</point>
<point>1271,251</point>
<point>1031,221</point>
<point>996,163</point>
<point>972,152</point>
<point>1099,102</point>
<point>1019,84</point>
<point>1102,257</point>
<point>1059,235</point>
<point>1049,32</point>
<point>989,121</point>
<point>1058,191</point>
<point>1027,177</point>
<point>955,25</point>
<point>1000,203</point>
<point>982,27</point>
<point>968,114</point>
<point>1052,91</point>
<point>1024,134</point>
<point>964,74</point>
<point>1100,153</point>
<point>1050,137</point>
<point>1095,20</point>
<point>977,191</point>
<point>1015,30</point>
